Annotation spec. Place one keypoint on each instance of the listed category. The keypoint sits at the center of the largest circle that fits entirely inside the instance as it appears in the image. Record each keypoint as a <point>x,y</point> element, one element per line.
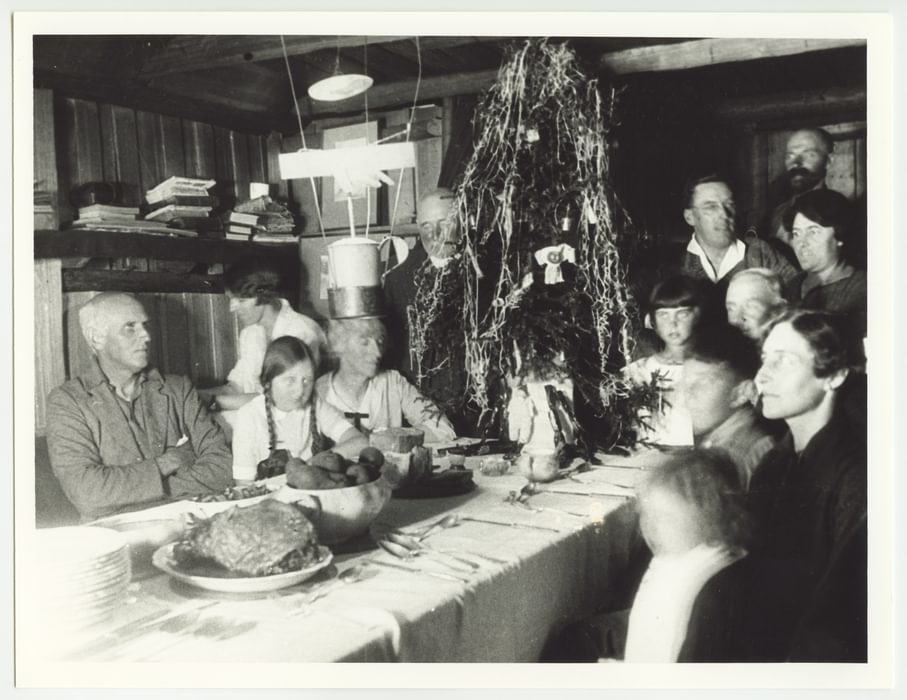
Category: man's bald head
<point>100,313</point>
<point>437,222</point>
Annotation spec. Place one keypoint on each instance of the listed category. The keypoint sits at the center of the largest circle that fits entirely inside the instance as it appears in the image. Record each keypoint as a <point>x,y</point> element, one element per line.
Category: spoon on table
<point>449,520</point>
<point>415,545</point>
<point>487,521</point>
<point>402,552</point>
<point>416,541</point>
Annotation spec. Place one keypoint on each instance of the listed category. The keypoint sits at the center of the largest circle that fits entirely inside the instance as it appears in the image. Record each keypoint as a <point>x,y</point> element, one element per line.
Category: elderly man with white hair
<point>121,433</point>
<point>753,299</point>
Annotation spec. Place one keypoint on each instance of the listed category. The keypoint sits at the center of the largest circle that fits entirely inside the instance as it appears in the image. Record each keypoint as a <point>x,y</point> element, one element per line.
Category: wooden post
<point>50,371</point>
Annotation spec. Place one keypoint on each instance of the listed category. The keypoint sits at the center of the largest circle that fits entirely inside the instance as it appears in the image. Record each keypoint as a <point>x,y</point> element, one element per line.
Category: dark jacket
<point>104,466</point>
<point>806,507</point>
<point>758,254</point>
<point>399,294</point>
<point>446,384</point>
<point>846,296</point>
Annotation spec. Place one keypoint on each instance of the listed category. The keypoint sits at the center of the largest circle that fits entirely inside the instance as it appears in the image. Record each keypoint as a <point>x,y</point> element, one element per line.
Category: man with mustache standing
<point>807,156</point>
<point>121,433</point>
<point>439,238</point>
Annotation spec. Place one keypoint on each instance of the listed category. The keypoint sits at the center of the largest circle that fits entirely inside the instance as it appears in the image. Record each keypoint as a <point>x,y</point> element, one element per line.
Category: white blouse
<point>253,342</point>
<point>293,430</point>
<point>388,399</point>
<point>664,601</point>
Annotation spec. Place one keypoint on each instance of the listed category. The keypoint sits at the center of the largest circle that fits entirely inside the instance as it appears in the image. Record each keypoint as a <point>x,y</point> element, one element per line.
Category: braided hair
<point>282,354</point>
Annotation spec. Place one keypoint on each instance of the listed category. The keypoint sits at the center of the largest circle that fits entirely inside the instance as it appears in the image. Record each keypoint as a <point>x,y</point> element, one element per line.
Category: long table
<point>528,581</point>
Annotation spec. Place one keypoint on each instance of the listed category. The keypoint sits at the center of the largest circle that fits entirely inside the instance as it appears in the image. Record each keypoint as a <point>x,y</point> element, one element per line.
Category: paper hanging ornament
<point>552,257</point>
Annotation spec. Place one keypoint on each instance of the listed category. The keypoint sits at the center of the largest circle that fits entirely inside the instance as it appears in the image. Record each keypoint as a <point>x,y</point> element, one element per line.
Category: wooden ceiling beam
<point>709,52</point>
<point>792,106</point>
<point>140,97</point>
<point>191,53</point>
<point>400,94</point>
<point>407,49</point>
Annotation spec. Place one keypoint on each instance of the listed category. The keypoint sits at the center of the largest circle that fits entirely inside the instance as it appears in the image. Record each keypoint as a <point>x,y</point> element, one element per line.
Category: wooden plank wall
<point>764,163</point>
<point>50,369</point>
<point>102,142</point>
<point>194,334</point>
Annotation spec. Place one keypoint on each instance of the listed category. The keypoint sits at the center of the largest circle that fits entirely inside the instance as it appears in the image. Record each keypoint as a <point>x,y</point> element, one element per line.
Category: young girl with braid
<point>288,421</point>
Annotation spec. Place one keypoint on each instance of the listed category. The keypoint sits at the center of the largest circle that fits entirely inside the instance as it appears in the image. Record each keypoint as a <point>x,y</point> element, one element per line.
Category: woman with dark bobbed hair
<point>252,287</point>
<point>823,236</point>
<point>809,495</point>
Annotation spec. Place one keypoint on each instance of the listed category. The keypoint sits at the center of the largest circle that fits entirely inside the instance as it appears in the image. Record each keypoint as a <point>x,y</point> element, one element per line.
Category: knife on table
<point>415,570</point>
<point>498,522</point>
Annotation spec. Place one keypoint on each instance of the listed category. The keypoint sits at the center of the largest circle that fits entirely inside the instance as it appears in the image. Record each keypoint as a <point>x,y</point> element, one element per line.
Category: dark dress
<point>809,509</point>
<point>845,296</point>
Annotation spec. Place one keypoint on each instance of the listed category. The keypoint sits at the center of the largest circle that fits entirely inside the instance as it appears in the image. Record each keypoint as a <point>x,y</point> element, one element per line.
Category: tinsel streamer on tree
<point>539,176</point>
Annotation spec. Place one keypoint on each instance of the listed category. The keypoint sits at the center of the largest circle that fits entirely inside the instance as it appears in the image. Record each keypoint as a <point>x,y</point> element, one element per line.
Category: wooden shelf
<point>119,244</point>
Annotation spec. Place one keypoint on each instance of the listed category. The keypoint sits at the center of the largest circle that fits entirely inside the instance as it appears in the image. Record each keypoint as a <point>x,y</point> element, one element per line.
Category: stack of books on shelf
<point>109,217</point>
<point>181,203</point>
<point>262,220</point>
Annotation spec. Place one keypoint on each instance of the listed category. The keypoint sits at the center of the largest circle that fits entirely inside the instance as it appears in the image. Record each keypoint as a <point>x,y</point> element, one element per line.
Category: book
<point>174,211</point>
<point>268,237</point>
<point>175,182</point>
<point>236,236</point>
<point>98,209</point>
<point>180,192</point>
<point>106,217</point>
<point>187,200</point>
<point>240,228</point>
<point>178,187</point>
<point>136,226</point>
<point>235,217</point>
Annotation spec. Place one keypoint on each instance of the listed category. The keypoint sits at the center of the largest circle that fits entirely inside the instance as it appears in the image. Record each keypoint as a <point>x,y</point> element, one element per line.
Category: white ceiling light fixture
<point>339,86</point>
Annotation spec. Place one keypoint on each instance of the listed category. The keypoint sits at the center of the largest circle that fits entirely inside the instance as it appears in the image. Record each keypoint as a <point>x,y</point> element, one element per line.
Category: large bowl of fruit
<point>340,498</point>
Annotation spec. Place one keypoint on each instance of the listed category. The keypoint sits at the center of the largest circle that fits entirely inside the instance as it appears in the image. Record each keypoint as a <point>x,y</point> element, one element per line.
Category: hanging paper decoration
<point>551,258</point>
<point>535,192</point>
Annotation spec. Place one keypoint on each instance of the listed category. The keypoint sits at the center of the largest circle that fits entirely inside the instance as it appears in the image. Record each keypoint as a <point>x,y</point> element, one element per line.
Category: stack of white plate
<point>84,576</point>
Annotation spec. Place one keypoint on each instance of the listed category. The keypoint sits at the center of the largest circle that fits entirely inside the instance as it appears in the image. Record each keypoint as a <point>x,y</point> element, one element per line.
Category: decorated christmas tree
<point>537,299</point>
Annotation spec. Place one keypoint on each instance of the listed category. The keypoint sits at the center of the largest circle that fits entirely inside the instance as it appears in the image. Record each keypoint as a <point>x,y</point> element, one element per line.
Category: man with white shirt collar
<point>714,251</point>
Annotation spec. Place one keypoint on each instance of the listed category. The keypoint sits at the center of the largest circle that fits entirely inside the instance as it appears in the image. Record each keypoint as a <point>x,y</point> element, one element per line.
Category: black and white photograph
<point>532,350</point>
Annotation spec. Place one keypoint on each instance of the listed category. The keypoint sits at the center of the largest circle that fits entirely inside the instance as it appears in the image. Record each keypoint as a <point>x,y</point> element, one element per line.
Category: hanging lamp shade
<point>340,87</point>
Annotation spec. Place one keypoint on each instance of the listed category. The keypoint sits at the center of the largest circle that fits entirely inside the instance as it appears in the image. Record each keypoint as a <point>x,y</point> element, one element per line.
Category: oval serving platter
<point>163,560</point>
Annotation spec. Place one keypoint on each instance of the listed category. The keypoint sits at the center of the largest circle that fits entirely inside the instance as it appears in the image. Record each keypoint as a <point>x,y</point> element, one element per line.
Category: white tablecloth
<point>503,613</point>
